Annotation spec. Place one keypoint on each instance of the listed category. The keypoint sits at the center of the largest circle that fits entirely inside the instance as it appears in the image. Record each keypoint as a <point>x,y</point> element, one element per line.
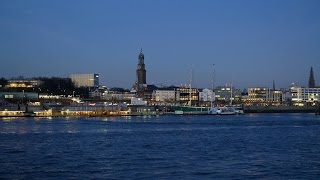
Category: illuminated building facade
<point>85,80</point>
<point>23,83</point>
<point>265,96</point>
<point>185,93</point>
<point>304,95</point>
<point>164,95</point>
<point>257,94</point>
<point>275,96</point>
<point>223,93</point>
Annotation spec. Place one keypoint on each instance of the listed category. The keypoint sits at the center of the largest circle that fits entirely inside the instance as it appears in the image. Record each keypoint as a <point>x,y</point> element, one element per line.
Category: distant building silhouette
<point>311,79</point>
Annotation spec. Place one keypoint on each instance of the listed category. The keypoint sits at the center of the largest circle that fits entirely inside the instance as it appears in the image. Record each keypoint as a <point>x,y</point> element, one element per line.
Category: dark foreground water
<point>271,146</point>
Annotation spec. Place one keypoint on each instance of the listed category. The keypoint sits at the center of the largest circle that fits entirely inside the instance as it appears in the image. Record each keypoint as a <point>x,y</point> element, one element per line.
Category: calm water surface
<point>254,146</point>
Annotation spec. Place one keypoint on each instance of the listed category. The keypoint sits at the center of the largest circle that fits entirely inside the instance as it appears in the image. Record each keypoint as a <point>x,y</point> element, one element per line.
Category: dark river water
<point>252,146</point>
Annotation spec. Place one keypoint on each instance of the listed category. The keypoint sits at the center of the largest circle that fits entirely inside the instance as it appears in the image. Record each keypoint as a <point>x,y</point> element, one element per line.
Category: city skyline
<point>251,43</point>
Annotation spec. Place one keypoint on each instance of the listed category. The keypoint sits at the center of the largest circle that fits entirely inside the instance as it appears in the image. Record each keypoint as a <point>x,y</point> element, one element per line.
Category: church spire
<point>141,58</point>
<point>141,70</point>
<point>274,85</point>
<point>311,79</point>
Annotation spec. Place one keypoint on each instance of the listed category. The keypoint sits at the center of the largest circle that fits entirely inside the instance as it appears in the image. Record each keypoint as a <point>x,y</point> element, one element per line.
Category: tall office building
<point>85,80</point>
<point>311,83</point>
<point>141,71</point>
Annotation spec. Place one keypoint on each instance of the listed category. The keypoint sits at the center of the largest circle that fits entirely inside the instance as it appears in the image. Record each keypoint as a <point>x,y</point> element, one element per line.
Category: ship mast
<point>190,88</point>
<point>213,76</point>
<point>231,95</point>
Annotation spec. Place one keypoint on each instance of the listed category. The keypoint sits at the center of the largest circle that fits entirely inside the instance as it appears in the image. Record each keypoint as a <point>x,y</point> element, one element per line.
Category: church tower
<point>141,71</point>
<point>311,80</point>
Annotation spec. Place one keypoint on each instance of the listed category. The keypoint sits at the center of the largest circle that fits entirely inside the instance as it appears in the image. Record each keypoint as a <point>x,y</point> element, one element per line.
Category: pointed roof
<point>141,57</point>
<point>141,52</point>
<point>274,85</point>
<point>311,83</point>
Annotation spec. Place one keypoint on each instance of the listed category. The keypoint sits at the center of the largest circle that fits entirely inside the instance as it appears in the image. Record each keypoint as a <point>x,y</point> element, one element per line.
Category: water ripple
<point>272,146</point>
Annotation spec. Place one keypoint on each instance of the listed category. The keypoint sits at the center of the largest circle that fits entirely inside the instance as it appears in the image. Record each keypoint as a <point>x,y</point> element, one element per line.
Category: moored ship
<point>226,110</point>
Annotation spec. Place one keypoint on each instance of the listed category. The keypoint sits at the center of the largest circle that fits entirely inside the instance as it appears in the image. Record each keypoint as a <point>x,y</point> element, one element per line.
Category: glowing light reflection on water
<point>275,146</point>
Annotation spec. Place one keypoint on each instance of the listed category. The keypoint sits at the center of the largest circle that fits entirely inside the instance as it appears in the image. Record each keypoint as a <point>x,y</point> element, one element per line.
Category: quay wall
<point>279,109</point>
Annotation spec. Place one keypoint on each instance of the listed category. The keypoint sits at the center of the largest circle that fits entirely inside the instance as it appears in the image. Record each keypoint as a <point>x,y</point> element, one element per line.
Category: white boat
<point>222,111</point>
<point>226,110</point>
<point>239,110</point>
<point>178,112</point>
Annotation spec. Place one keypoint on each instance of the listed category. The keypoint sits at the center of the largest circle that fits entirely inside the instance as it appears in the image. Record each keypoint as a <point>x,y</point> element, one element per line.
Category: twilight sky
<point>251,42</point>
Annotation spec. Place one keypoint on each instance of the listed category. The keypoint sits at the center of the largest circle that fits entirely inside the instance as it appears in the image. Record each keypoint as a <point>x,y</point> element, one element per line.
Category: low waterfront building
<point>138,102</point>
<point>118,94</point>
<point>184,94</point>
<point>301,95</point>
<point>148,92</point>
<point>98,93</point>
<point>256,95</point>
<point>265,96</point>
<point>23,83</point>
<point>22,96</point>
<point>275,96</point>
<point>206,95</point>
<point>164,95</point>
<point>51,96</point>
<point>7,113</point>
<point>125,96</point>
<point>223,93</point>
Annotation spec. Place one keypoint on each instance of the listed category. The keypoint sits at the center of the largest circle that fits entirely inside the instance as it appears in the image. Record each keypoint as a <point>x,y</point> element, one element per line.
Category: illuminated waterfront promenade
<point>145,111</point>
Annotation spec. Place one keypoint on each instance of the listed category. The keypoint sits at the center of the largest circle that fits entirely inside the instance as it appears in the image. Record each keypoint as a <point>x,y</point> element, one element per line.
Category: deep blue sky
<point>251,42</point>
